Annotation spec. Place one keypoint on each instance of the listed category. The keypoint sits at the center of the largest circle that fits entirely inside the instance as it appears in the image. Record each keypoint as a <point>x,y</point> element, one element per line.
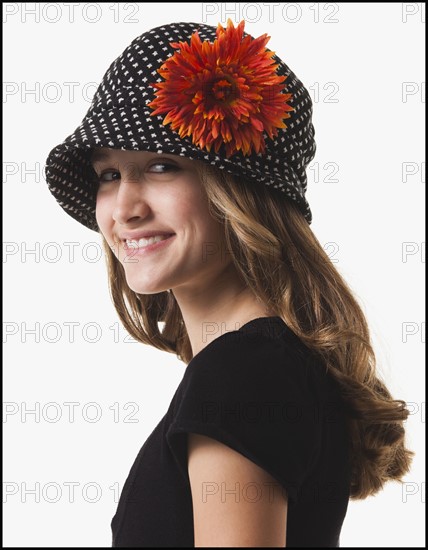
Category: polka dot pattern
<point>119,117</point>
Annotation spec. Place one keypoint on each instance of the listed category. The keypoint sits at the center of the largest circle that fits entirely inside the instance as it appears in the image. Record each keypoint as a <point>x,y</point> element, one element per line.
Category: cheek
<point>103,214</point>
<point>206,229</point>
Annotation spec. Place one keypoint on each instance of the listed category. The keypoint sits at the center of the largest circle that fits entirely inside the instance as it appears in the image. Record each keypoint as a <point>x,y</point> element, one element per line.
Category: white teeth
<point>145,242</point>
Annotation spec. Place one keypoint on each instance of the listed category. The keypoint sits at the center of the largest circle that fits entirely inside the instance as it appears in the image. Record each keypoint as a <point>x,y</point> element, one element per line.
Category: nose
<point>130,204</point>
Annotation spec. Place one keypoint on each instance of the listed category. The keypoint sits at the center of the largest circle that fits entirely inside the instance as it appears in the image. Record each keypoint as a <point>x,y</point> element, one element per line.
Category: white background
<point>362,61</point>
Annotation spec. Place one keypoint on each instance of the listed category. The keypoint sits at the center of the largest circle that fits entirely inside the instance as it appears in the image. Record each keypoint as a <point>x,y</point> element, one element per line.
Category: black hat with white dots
<point>216,95</point>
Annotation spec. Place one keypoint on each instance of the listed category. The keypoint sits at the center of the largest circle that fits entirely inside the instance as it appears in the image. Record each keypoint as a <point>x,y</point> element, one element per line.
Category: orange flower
<point>223,92</point>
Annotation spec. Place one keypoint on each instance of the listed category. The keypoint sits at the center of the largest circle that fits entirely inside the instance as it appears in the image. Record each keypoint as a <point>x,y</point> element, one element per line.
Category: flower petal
<point>227,92</point>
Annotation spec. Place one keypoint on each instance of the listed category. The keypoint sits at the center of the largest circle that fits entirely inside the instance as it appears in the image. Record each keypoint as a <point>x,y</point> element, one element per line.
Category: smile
<point>145,246</point>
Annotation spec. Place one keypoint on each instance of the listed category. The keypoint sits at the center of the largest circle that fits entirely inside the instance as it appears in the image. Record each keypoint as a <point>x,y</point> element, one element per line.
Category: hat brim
<point>73,182</point>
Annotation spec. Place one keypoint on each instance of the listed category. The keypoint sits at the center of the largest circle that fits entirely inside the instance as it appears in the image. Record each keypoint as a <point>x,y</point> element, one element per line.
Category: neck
<point>217,308</point>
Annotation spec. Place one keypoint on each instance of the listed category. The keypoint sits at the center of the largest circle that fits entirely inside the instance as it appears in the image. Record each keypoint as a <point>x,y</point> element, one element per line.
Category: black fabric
<point>260,391</point>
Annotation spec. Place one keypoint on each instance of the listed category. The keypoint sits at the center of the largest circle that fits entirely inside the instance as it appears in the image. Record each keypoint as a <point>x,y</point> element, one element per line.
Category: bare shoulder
<point>235,502</point>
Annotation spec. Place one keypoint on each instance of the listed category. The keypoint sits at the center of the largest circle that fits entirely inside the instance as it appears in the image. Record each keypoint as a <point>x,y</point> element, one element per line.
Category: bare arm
<point>232,505</point>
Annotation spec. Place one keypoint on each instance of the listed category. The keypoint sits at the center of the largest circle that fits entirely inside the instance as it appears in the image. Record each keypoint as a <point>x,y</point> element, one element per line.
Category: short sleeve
<point>257,396</point>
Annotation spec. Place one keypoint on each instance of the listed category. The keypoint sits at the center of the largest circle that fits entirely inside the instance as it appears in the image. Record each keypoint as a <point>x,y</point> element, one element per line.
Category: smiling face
<point>141,192</point>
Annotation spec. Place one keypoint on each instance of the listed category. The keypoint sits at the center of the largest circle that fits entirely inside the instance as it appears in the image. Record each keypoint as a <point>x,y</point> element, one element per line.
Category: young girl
<point>191,164</point>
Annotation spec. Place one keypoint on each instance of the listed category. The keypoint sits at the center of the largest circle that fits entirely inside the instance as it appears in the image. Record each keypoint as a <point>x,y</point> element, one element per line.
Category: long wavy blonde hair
<point>280,259</point>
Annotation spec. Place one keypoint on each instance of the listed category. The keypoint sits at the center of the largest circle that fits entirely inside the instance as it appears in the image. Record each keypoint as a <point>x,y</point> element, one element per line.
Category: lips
<point>134,236</point>
<point>143,242</point>
<point>146,249</point>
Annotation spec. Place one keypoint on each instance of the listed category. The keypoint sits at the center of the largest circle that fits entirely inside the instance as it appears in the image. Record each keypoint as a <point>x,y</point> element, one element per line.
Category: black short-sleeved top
<point>260,391</point>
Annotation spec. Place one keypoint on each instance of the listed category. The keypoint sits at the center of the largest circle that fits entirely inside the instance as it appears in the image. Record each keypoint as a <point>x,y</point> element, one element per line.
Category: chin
<point>140,288</point>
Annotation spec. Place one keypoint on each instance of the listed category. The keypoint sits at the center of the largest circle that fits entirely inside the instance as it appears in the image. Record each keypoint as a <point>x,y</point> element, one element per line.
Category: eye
<point>166,167</point>
<point>108,175</point>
